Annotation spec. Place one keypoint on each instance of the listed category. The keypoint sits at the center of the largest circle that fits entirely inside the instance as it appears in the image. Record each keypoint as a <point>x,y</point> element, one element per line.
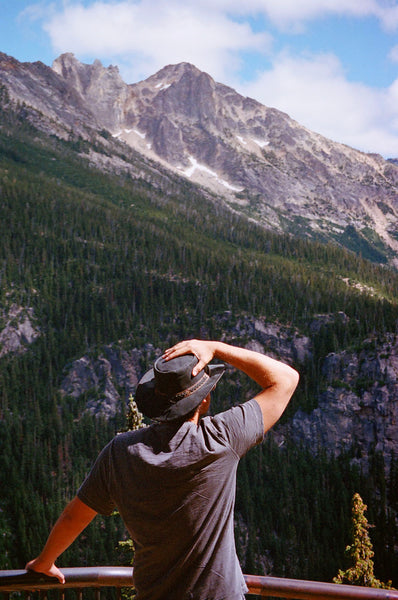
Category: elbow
<point>291,382</point>
<point>295,378</point>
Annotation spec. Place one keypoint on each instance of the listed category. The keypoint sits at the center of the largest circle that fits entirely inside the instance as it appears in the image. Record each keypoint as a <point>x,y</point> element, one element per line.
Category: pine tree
<point>360,552</point>
<point>134,417</point>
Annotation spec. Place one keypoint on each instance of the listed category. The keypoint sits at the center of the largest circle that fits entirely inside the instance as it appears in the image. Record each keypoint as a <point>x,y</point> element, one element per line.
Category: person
<point>173,482</point>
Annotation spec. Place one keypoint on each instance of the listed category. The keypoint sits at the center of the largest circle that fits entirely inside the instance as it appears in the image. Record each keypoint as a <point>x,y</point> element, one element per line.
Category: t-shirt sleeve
<point>94,490</point>
<point>242,426</point>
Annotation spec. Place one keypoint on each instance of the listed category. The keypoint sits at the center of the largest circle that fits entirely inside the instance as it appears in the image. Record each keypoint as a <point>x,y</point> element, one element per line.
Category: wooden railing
<point>122,577</point>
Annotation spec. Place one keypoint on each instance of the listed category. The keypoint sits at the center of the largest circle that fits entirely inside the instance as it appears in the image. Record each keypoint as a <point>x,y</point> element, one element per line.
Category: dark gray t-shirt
<point>174,486</point>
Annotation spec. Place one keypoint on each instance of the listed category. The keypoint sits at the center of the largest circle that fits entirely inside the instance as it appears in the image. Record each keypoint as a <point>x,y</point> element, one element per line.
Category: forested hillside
<point>104,259</point>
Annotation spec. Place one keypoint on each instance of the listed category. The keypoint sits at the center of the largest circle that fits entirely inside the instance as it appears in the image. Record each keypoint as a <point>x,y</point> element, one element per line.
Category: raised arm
<point>277,380</point>
<point>75,517</point>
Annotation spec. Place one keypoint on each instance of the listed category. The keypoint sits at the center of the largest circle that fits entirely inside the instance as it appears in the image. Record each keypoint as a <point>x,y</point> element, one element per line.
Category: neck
<point>201,410</point>
<point>195,418</point>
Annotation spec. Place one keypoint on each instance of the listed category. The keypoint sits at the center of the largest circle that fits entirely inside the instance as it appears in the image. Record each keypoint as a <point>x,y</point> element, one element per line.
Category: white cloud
<point>315,92</point>
<point>387,12</point>
<point>296,12</point>
<point>288,11</point>
<point>152,33</point>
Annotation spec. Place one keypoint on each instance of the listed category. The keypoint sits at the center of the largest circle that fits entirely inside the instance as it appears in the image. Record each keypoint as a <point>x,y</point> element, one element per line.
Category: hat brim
<point>162,409</point>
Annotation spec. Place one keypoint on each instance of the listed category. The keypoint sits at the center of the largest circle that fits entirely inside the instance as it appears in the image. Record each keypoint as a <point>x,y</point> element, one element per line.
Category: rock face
<point>359,407</point>
<point>101,90</point>
<point>257,158</point>
<point>17,330</point>
<point>38,86</point>
<point>107,380</point>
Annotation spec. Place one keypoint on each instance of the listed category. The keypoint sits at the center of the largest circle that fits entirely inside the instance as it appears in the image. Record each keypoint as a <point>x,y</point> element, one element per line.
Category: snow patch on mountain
<point>195,165</point>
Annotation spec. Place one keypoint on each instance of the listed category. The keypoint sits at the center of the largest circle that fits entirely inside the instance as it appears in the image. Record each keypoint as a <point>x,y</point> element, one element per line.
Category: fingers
<point>55,572</point>
<point>199,348</point>
<point>186,347</point>
<point>51,570</point>
<point>197,368</point>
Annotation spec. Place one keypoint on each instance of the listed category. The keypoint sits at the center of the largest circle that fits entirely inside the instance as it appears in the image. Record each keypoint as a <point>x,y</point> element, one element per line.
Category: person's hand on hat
<point>204,351</point>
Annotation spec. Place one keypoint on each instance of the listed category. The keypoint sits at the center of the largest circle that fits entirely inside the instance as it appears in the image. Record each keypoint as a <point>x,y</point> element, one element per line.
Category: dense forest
<point>104,258</point>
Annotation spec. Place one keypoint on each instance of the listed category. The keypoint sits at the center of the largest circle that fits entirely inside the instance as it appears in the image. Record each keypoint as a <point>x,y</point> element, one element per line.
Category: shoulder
<point>240,426</point>
<point>121,443</point>
<point>128,438</point>
<point>242,414</point>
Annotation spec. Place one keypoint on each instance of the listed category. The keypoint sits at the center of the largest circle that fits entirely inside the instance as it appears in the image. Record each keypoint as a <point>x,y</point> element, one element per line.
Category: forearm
<point>263,369</point>
<point>75,517</point>
<point>277,380</point>
<point>63,534</point>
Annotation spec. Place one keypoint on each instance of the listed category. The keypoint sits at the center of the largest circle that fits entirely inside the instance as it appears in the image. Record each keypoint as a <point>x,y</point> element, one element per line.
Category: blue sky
<point>330,64</point>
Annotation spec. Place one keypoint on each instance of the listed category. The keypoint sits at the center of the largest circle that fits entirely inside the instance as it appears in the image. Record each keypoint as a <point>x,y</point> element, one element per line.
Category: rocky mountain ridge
<point>259,160</point>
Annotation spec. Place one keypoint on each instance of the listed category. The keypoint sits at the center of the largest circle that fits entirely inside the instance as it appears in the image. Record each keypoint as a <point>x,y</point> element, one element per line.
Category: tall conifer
<point>360,552</point>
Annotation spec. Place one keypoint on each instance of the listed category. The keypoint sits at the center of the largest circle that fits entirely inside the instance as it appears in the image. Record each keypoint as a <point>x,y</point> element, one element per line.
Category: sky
<point>332,65</point>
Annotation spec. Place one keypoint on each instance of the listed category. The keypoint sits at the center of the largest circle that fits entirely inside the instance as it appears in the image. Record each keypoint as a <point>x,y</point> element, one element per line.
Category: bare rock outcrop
<point>106,380</point>
<point>359,407</point>
<point>18,330</point>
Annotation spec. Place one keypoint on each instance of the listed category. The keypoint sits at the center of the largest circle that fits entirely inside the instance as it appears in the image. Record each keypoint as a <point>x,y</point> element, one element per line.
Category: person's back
<point>174,485</point>
<point>174,482</point>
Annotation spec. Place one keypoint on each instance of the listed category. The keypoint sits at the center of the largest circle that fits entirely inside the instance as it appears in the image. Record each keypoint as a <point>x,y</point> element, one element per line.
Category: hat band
<point>186,392</point>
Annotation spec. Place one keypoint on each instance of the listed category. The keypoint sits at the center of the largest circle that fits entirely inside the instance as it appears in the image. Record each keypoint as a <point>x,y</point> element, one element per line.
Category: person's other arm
<point>277,380</point>
<point>75,517</point>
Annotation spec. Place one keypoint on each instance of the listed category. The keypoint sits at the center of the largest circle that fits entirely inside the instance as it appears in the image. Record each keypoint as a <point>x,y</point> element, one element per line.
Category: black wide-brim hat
<point>168,391</point>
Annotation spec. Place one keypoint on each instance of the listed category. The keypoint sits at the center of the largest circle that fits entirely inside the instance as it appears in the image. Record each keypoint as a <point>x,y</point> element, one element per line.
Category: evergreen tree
<point>134,417</point>
<point>360,552</point>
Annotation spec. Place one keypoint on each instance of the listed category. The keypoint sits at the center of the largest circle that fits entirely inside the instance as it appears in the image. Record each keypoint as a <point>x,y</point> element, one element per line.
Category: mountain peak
<point>65,58</point>
<point>72,70</point>
<point>181,67</point>
<point>255,157</point>
<point>69,61</point>
<point>172,74</point>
